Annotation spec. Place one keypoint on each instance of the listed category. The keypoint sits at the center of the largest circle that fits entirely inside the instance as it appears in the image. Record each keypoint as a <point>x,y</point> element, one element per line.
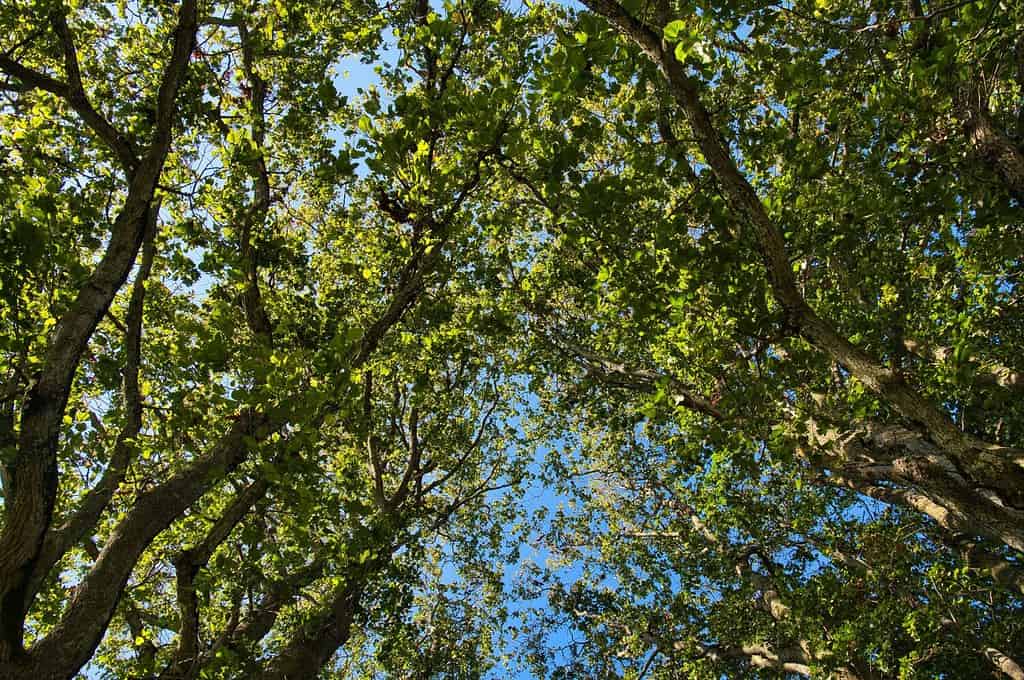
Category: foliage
<point>729,287</point>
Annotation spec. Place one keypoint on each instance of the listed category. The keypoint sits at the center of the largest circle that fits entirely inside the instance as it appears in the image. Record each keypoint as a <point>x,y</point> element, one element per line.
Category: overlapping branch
<point>995,474</point>
<point>32,474</point>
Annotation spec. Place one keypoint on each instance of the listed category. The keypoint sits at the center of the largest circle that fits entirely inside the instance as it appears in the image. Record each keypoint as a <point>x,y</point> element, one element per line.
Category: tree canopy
<point>617,340</point>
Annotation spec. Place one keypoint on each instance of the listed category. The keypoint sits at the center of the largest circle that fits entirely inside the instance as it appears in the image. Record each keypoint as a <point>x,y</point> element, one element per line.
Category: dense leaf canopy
<point>472,339</point>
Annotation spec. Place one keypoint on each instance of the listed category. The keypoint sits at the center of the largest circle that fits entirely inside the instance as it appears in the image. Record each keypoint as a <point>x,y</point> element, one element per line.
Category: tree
<point>665,572</point>
<point>254,445</point>
<point>769,253</point>
<point>277,358</point>
<point>972,479</point>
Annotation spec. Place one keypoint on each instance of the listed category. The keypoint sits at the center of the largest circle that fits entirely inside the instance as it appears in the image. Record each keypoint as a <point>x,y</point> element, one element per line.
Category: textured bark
<point>240,636</point>
<point>1003,663</point>
<point>71,643</point>
<point>32,474</point>
<point>997,470</point>
<point>280,593</point>
<point>1004,573</point>
<point>759,656</point>
<point>792,659</point>
<point>870,457</point>
<point>997,149</point>
<point>60,539</point>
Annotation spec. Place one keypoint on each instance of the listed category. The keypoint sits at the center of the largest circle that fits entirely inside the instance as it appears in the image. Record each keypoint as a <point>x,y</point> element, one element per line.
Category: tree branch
<point>76,98</point>
<point>187,565</point>
<point>32,473</point>
<point>998,468</point>
<point>71,642</point>
<point>60,539</point>
<point>869,458</point>
<point>121,145</point>
<point>313,645</point>
<point>987,373</point>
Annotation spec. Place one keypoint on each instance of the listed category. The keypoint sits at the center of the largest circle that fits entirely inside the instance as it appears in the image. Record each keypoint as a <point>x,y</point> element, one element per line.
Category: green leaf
<point>674,29</point>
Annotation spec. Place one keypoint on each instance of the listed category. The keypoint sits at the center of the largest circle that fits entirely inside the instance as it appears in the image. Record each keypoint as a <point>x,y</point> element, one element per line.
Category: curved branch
<point>187,566</point>
<point>995,467</point>
<point>120,144</point>
<point>60,539</point>
<point>33,473</point>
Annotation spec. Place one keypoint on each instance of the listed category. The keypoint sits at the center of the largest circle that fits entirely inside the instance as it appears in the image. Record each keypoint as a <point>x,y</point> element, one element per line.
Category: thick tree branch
<point>1006,665</point>
<point>871,458</point>
<point>1006,574</point>
<point>71,642</point>
<point>995,147</point>
<point>758,656</point>
<point>32,474</point>
<point>280,593</point>
<point>998,468</point>
<point>377,469</point>
<point>413,466</point>
<point>60,539</point>
<point>313,645</point>
<point>423,261</point>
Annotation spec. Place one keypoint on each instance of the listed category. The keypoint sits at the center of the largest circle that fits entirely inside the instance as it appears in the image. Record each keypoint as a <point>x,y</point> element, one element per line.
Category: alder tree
<point>477,339</point>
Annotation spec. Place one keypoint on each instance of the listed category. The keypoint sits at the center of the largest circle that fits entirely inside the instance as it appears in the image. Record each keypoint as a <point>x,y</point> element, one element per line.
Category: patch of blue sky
<point>354,76</point>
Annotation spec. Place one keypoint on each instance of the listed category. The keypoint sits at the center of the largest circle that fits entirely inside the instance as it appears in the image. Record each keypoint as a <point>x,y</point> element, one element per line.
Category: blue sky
<point>353,77</point>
